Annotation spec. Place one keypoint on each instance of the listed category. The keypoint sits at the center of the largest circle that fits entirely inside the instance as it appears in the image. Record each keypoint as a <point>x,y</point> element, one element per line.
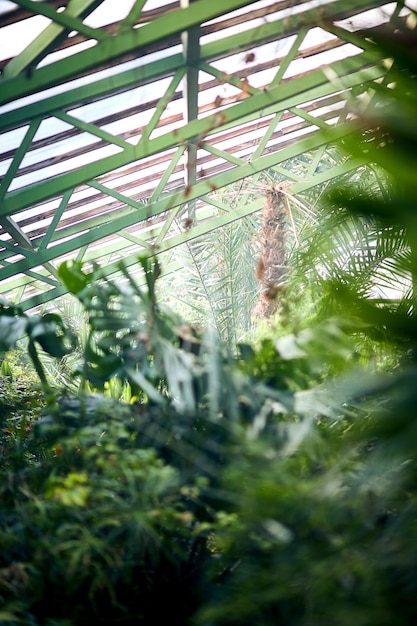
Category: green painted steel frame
<point>27,262</point>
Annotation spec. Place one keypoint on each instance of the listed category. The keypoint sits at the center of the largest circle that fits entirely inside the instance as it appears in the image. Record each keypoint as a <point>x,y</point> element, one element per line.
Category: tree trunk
<point>272,264</point>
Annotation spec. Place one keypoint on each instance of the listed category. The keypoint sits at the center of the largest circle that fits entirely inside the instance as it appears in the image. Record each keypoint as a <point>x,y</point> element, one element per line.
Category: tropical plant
<point>331,539</point>
<point>46,333</point>
<point>275,485</point>
<point>216,285</point>
<point>115,506</point>
<point>60,371</point>
<point>220,486</point>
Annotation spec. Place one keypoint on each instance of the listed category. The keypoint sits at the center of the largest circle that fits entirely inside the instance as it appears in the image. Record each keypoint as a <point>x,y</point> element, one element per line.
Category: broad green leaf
<point>73,277</point>
<point>52,335</point>
<point>11,330</point>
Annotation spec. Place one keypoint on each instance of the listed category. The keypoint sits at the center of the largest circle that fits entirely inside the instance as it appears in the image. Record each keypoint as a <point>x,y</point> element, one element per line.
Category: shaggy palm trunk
<point>272,264</point>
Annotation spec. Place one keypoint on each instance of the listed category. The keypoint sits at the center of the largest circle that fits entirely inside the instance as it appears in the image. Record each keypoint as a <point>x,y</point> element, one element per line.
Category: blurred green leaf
<point>73,277</point>
<point>11,330</point>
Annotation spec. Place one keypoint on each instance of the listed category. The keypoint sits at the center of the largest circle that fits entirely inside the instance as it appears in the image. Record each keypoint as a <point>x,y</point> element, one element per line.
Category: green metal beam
<point>277,99</point>
<point>17,235</point>
<point>60,291</point>
<point>173,200</point>
<point>136,240</point>
<point>43,298</point>
<point>314,121</point>
<point>315,162</point>
<point>161,106</point>
<point>112,48</point>
<point>133,15</point>
<point>92,129</point>
<point>222,154</point>
<point>66,18</point>
<point>57,216</point>
<point>216,203</point>
<point>230,79</point>
<point>328,175</point>
<point>44,280</point>
<point>24,246</point>
<point>147,73</point>
<point>106,235</point>
<point>130,202</point>
<point>167,174</point>
<point>289,58</point>
<point>172,216</point>
<point>19,156</point>
<point>203,228</point>
<point>40,278</point>
<point>91,91</point>
<point>169,25</point>
<point>292,24</point>
<point>191,51</point>
<point>49,39</point>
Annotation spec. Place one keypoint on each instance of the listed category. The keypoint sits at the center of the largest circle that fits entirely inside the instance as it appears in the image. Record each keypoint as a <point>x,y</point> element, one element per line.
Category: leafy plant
<point>271,486</point>
<point>326,534</point>
<point>216,285</point>
<point>47,332</point>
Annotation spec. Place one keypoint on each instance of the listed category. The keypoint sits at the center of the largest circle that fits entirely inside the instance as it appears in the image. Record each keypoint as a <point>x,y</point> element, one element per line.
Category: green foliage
<point>326,535</point>
<point>101,527</point>
<point>216,285</point>
<point>47,332</point>
<point>117,505</point>
<point>21,403</point>
<point>114,506</point>
<point>230,478</point>
<point>277,486</point>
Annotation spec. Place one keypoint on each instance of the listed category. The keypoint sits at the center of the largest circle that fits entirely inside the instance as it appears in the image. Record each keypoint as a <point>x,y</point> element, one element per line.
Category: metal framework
<point>120,120</point>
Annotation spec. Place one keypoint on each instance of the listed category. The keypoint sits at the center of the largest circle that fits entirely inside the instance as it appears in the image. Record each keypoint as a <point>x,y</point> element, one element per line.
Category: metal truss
<point>116,136</point>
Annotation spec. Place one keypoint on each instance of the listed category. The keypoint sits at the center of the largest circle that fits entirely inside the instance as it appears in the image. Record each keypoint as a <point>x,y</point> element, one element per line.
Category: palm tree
<point>216,284</point>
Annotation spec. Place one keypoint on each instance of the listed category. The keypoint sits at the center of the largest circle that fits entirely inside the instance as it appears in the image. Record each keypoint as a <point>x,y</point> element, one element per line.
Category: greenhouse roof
<point>121,121</point>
